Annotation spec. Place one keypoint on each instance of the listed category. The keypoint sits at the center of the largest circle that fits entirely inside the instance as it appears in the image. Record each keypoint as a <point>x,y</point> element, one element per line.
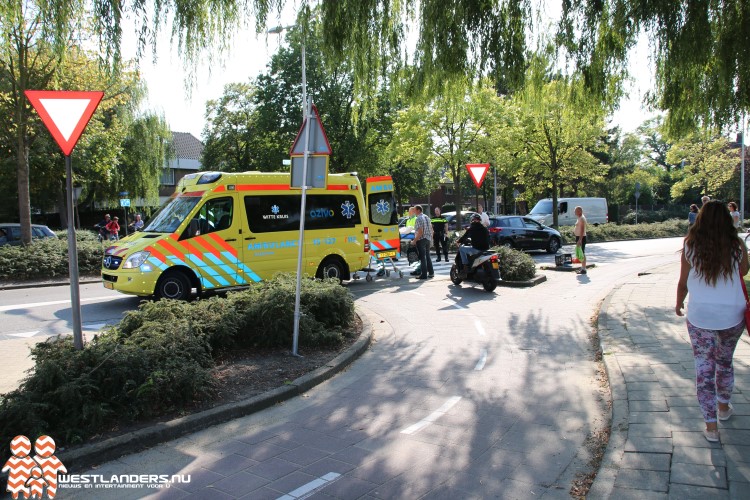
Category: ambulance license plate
<point>385,255</point>
<point>109,285</point>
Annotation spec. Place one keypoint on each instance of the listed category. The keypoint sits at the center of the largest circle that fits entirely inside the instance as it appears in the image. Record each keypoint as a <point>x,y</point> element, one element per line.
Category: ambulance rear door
<point>382,217</point>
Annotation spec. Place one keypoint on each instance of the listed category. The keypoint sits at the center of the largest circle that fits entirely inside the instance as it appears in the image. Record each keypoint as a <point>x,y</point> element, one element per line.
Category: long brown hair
<point>712,243</point>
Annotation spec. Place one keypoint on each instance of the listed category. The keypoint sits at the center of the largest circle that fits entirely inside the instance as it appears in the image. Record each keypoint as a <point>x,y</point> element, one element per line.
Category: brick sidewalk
<point>657,448</point>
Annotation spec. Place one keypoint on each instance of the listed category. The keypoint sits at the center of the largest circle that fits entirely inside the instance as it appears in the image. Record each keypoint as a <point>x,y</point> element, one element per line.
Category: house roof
<point>187,146</point>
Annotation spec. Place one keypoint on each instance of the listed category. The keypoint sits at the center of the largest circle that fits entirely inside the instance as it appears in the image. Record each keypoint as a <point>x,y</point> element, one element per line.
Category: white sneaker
<point>724,415</point>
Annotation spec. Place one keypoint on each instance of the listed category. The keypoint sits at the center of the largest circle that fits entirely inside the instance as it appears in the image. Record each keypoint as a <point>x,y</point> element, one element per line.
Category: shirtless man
<point>580,233</point>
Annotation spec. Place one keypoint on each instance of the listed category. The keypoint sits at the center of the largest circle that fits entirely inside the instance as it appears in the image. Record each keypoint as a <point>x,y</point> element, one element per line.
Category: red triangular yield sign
<point>318,140</point>
<point>477,171</point>
<point>65,113</point>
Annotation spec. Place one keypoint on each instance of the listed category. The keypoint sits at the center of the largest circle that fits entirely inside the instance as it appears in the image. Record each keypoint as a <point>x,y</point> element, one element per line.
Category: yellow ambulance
<point>224,230</point>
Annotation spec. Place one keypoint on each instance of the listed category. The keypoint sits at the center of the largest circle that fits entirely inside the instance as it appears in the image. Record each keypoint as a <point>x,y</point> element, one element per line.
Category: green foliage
<point>709,167</point>
<point>48,258</point>
<point>158,358</point>
<point>515,265</point>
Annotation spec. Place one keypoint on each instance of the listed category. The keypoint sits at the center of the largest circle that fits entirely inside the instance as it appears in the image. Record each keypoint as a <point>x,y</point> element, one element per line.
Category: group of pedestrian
<point>733,211</point>
<point>713,264</point>
<point>425,231</point>
<point>109,227</point>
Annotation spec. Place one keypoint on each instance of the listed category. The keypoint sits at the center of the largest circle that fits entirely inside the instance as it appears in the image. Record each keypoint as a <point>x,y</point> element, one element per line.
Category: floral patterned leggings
<point>714,374</point>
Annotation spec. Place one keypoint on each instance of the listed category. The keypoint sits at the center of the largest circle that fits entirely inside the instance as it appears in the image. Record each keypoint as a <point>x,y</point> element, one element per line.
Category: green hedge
<point>515,265</point>
<point>48,258</point>
<point>158,359</point>
<point>616,232</point>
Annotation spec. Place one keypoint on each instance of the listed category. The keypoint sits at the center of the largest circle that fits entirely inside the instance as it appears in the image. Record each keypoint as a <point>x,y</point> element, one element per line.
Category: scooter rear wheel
<point>454,275</point>
<point>490,284</point>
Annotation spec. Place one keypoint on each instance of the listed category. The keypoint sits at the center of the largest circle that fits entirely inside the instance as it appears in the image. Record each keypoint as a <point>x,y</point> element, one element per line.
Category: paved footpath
<point>657,449</point>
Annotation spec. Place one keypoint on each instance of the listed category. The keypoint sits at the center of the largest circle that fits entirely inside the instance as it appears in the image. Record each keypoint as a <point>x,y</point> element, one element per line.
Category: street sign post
<point>310,152</point>
<point>66,114</point>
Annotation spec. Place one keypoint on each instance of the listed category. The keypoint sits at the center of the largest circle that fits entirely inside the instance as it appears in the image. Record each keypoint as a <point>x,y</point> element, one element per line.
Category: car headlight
<point>135,260</point>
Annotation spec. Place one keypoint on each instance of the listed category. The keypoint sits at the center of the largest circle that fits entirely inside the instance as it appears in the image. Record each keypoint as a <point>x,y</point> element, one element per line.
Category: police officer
<point>439,234</point>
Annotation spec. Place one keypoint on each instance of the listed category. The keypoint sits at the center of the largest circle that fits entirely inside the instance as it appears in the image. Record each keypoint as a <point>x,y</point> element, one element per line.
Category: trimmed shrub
<point>615,232</point>
<point>515,265</point>
<point>48,258</point>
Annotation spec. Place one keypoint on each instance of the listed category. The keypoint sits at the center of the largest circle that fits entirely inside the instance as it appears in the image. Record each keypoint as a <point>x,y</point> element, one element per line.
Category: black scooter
<point>483,268</point>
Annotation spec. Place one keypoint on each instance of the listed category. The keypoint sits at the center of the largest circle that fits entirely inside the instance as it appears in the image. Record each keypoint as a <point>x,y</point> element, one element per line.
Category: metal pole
<point>303,207</point>
<point>75,296</point>
<point>494,195</point>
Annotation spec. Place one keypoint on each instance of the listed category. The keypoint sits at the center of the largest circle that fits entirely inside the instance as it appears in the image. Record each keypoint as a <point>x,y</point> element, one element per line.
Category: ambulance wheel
<point>368,278</point>
<point>332,267</point>
<point>173,285</point>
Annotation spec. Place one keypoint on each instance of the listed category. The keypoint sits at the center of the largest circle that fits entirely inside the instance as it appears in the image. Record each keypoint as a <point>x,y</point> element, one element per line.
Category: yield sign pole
<point>66,114</point>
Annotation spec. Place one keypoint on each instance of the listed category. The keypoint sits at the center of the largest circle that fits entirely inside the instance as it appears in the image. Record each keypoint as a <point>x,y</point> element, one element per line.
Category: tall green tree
<point>253,125</point>
<point>230,129</point>
<point>32,40</point>
<point>556,127</point>
<point>709,167</point>
<point>449,131</point>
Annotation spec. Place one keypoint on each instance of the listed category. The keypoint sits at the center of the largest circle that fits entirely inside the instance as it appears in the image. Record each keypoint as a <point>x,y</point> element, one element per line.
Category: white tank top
<point>715,307</point>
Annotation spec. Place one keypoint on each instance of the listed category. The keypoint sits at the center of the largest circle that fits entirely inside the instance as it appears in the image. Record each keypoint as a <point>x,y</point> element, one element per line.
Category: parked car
<point>10,234</point>
<point>451,218</point>
<point>523,233</point>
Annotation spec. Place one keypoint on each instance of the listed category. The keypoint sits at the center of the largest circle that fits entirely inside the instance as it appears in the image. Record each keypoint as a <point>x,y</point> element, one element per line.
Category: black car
<point>10,233</point>
<point>523,233</point>
<point>451,218</point>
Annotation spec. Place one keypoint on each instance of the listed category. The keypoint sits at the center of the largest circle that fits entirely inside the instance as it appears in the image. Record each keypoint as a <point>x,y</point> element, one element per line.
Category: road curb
<point>566,268</point>
<point>604,482</point>
<point>536,280</point>
<point>45,284</point>
<point>90,455</point>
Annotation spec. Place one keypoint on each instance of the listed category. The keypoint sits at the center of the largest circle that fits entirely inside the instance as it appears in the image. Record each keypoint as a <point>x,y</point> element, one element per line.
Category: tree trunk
<point>457,195</point>
<point>22,173</point>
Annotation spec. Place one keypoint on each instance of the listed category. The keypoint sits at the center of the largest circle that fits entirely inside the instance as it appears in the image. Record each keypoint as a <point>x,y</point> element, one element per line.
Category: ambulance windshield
<point>170,216</point>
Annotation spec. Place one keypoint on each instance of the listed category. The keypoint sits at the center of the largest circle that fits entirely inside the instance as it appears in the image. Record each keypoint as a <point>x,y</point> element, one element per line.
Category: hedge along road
<point>496,392</point>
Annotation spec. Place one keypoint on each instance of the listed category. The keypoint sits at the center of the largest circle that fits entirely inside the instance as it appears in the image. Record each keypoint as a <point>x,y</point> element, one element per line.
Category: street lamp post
<point>303,204</point>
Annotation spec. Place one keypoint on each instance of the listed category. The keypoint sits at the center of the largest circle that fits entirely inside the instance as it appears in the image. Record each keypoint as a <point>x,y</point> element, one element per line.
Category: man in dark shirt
<point>480,239</point>
<point>439,236</point>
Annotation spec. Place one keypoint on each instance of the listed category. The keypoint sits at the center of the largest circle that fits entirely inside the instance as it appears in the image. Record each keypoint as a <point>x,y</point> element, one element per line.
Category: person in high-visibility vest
<point>439,234</point>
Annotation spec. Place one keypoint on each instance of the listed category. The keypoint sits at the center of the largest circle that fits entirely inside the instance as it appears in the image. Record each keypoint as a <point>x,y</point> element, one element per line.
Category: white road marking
<point>307,489</point>
<point>454,304</point>
<point>479,327</point>
<point>482,360</point>
<point>94,326</point>
<point>31,305</point>
<point>412,429</point>
<point>415,293</point>
<point>24,334</point>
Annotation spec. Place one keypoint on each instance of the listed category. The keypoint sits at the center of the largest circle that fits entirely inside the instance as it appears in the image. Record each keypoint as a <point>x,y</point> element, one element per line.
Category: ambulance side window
<point>215,215</point>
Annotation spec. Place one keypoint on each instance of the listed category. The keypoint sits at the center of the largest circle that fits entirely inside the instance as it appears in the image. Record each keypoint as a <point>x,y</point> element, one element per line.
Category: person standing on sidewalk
<point>580,233</point>
<point>423,238</point>
<point>713,262</point>
<point>439,234</point>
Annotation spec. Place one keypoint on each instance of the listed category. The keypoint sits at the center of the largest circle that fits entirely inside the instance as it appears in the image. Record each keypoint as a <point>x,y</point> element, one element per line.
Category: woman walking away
<point>713,261</point>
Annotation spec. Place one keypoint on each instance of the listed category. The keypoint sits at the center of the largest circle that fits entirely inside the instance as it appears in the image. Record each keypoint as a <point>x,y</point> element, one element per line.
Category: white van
<point>595,210</point>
